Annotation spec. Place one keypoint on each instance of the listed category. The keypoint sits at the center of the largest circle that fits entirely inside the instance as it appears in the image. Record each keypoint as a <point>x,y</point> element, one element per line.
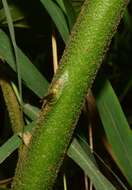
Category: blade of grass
<point>126,89</point>
<point>31,111</point>
<point>32,78</point>
<point>127,20</point>
<point>100,182</point>
<point>75,152</point>
<point>28,109</point>
<point>9,147</point>
<point>77,5</point>
<point>116,127</point>
<point>13,144</point>
<point>69,11</point>
<point>12,35</point>
<point>16,13</point>
<point>57,16</point>
<point>86,147</point>
<point>15,141</point>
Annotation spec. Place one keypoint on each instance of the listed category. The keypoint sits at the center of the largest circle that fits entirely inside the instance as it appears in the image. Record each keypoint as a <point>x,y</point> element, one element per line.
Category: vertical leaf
<point>58,17</point>
<point>116,127</point>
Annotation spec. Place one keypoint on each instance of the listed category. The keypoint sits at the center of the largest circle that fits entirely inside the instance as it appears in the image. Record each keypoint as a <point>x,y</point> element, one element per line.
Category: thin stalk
<point>86,181</point>
<point>64,182</point>
<point>90,103</point>
<point>91,147</point>
<point>82,58</point>
<point>12,105</point>
<point>54,52</point>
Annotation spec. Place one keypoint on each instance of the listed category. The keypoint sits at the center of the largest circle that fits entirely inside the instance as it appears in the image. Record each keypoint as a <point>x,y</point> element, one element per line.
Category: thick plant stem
<point>82,58</point>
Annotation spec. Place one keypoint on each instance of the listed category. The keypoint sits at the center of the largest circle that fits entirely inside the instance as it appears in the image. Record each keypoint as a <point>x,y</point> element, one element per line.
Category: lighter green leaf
<point>7,148</point>
<point>69,11</point>
<point>13,40</point>
<point>77,5</point>
<point>116,127</point>
<point>81,158</point>
<point>58,17</point>
<point>13,143</point>
<point>31,111</point>
<point>30,75</point>
<point>85,146</point>
<point>16,13</point>
<point>75,152</point>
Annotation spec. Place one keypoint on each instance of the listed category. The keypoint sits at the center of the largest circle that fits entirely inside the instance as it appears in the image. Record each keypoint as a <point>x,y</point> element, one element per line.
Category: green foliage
<point>116,127</point>
<point>77,153</point>
<point>12,36</point>
<point>77,71</point>
<point>12,144</point>
<point>32,79</point>
<point>58,17</point>
<point>63,15</point>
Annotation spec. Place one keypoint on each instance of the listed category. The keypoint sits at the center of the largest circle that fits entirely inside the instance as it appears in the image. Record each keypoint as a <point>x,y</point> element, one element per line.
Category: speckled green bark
<point>81,60</point>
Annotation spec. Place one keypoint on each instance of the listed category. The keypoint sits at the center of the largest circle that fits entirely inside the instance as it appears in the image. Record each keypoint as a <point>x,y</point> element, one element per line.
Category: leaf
<point>86,148</point>
<point>31,111</point>
<point>28,109</point>
<point>77,153</point>
<point>58,17</point>
<point>7,148</point>
<point>13,143</point>
<point>69,11</point>
<point>13,40</point>
<point>77,5</point>
<point>16,13</point>
<point>126,89</point>
<point>116,127</point>
<point>32,78</point>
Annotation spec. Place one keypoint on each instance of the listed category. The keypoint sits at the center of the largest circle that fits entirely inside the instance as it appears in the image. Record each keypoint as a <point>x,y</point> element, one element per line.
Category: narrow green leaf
<point>69,11</point>
<point>13,40</point>
<point>77,5</point>
<point>30,75</point>
<point>16,13</point>
<point>86,148</point>
<point>31,111</point>
<point>127,20</point>
<point>18,17</point>
<point>7,148</point>
<point>61,5</point>
<point>77,153</point>
<point>116,127</point>
<point>13,143</point>
<point>126,89</point>
<point>58,17</point>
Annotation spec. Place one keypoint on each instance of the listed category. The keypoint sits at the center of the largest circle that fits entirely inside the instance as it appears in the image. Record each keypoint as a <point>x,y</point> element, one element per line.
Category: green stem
<point>13,107</point>
<point>82,58</point>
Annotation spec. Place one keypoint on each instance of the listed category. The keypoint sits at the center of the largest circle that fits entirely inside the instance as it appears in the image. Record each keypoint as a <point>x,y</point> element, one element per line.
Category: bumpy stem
<point>12,105</point>
<point>82,58</point>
